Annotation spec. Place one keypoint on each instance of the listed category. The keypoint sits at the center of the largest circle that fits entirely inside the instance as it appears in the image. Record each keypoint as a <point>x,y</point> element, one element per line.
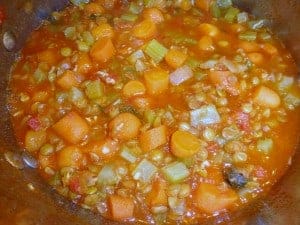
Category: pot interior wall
<point>26,199</point>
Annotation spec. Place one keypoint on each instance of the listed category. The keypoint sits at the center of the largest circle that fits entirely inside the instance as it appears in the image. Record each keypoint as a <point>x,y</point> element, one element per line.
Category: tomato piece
<point>34,123</point>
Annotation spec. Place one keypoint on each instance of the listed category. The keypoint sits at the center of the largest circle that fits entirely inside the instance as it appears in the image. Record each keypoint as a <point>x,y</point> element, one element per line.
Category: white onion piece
<point>232,66</point>
<point>180,75</point>
<point>208,64</point>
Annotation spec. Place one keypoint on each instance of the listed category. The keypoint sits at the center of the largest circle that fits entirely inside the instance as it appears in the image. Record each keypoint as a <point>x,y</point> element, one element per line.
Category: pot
<point>26,200</point>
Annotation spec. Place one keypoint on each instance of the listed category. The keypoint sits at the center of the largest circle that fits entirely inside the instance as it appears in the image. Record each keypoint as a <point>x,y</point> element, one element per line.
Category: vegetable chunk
<point>145,29</point>
<point>157,81</point>
<point>34,140</point>
<point>133,88</point>
<point>103,50</point>
<point>70,157</point>
<point>124,127</point>
<point>153,138</point>
<point>209,198</point>
<point>205,115</point>
<point>184,144</point>
<point>72,127</point>
<point>266,97</point>
<point>120,207</point>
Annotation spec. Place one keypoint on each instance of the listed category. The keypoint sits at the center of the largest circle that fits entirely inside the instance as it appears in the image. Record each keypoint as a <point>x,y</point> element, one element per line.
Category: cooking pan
<point>26,200</point>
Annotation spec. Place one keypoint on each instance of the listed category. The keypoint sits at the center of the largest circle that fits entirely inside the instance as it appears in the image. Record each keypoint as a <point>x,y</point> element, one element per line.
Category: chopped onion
<point>205,115</point>
<point>242,17</point>
<point>232,66</point>
<point>144,171</point>
<point>180,75</point>
<point>208,64</point>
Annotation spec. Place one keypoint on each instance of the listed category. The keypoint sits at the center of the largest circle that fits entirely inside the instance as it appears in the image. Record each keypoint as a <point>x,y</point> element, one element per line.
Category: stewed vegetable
<point>156,111</point>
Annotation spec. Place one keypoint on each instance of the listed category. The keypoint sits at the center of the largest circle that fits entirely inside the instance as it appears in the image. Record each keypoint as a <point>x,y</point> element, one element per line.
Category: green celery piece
<point>175,172</point>
<point>156,51</point>
<point>193,63</point>
<point>248,36</point>
<point>127,154</point>
<point>231,14</point>
<point>215,10</point>
<point>130,17</point>
<point>94,89</point>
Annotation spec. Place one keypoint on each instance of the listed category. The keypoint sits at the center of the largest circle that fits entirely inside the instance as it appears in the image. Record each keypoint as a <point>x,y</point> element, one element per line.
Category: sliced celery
<point>248,36</point>
<point>149,116</point>
<point>175,172</point>
<point>215,10</point>
<point>231,14</point>
<point>94,89</point>
<point>193,63</point>
<point>130,17</point>
<point>156,50</point>
<point>128,154</point>
<point>145,171</point>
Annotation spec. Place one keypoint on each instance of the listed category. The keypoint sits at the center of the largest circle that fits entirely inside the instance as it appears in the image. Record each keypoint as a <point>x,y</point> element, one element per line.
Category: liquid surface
<point>154,111</point>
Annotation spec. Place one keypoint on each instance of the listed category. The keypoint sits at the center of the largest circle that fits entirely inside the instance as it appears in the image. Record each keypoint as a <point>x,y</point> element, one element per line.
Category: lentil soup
<point>156,111</point>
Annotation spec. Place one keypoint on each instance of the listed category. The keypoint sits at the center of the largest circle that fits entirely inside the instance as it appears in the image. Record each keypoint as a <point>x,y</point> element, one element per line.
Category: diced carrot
<point>142,102</point>
<point>269,48</point>
<point>104,30</point>
<point>158,195</point>
<point>249,46</point>
<point>145,29</point>
<point>266,97</point>
<point>93,8</point>
<point>257,58</point>
<point>102,50</point>
<point>206,44</point>
<point>133,88</point>
<point>209,29</point>
<point>34,140</point>
<point>68,80</point>
<point>157,81</point>
<point>84,63</point>
<point>184,144</point>
<point>175,58</point>
<point>237,28</point>
<point>203,4</point>
<point>124,126</point>
<point>226,80</point>
<point>153,14</point>
<point>120,207</point>
<point>104,149</point>
<point>70,156</point>
<point>209,198</point>
<point>153,138</point>
<point>72,127</point>
<point>49,56</point>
